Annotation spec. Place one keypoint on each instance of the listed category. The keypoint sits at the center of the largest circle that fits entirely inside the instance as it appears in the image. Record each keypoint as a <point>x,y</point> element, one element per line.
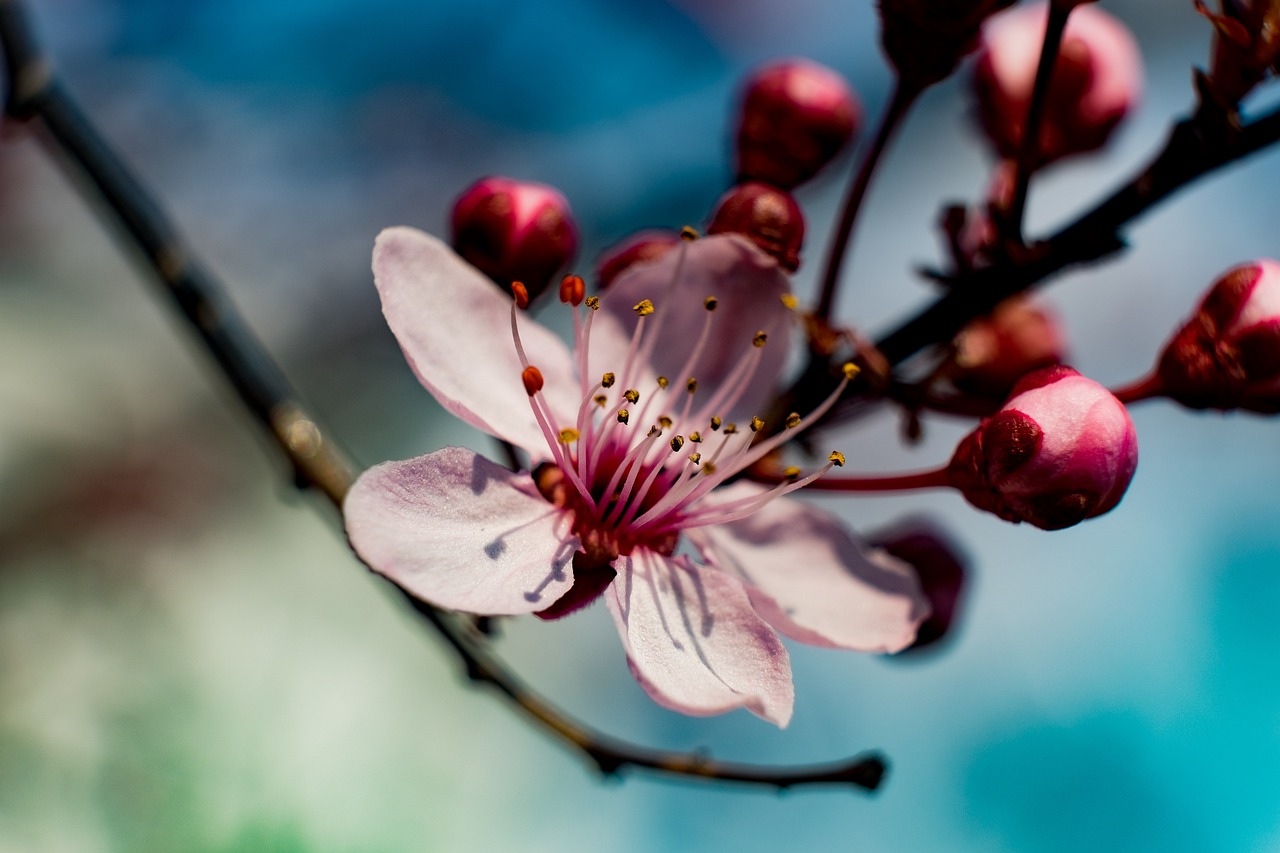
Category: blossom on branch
<point>634,437</point>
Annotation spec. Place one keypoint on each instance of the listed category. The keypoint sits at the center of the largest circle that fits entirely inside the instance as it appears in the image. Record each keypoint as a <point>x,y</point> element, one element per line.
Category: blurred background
<point>191,659</point>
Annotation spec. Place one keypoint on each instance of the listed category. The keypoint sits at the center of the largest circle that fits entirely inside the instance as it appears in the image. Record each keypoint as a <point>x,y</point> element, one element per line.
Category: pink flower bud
<point>941,567</point>
<point>1228,354</point>
<point>514,231</point>
<point>1097,80</point>
<point>926,39</point>
<point>768,216</point>
<point>640,247</point>
<point>1060,450</point>
<point>994,352</point>
<point>796,117</point>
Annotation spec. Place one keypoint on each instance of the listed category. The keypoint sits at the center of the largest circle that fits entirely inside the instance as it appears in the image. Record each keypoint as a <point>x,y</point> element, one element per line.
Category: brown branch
<point>35,94</point>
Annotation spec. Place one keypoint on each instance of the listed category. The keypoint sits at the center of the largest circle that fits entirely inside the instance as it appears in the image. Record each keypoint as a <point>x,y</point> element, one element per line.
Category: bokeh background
<point>190,658</point>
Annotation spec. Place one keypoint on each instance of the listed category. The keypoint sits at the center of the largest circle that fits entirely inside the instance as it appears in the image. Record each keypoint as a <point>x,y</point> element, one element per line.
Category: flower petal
<point>694,642</point>
<point>748,286</point>
<point>811,580</point>
<point>454,326</point>
<point>460,532</point>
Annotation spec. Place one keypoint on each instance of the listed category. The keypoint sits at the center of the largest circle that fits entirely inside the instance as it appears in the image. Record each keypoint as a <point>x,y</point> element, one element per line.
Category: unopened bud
<point>926,39</point>
<point>1227,355</point>
<point>767,216</point>
<point>513,230</point>
<point>1060,450</point>
<point>1247,47</point>
<point>992,353</point>
<point>796,117</point>
<point>641,247</point>
<point>941,566</point>
<point>1097,80</point>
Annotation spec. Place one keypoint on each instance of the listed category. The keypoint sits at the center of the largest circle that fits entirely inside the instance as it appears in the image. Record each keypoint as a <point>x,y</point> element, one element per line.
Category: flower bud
<point>514,231</point>
<point>1060,450</point>
<point>1096,82</point>
<point>926,39</point>
<point>768,216</point>
<point>796,117</point>
<point>939,564</point>
<point>1247,47</point>
<point>641,247</point>
<point>1228,354</point>
<point>994,352</point>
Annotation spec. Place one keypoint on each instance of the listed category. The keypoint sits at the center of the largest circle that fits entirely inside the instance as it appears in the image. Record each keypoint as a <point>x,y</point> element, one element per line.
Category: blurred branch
<point>35,94</point>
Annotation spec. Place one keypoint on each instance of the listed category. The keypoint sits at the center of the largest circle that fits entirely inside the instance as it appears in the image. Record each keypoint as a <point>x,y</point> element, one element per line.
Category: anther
<point>643,308</point>
<point>677,443</point>
<point>600,400</point>
<point>850,369</point>
<point>792,473</point>
<point>521,294</point>
<point>759,339</point>
<point>695,437</point>
<point>607,380</point>
<point>710,303</point>
<point>695,458</point>
<point>654,432</point>
<point>572,289</point>
<point>709,468</point>
<point>663,382</point>
<point>593,302</point>
<point>793,420</point>
<point>568,435</point>
<point>665,421</point>
<point>623,416</point>
<point>715,423</point>
<point>836,458</point>
<point>789,301</point>
<point>632,396</point>
<point>757,423</point>
<point>532,379</point>
<point>688,234</point>
<point>730,429</point>
<point>691,385</point>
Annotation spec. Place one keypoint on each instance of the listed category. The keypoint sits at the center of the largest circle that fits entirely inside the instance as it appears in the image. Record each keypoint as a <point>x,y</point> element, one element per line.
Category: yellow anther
<point>695,437</point>
<point>710,303</point>
<point>654,432</point>
<point>623,416</point>
<point>792,473</point>
<point>644,307</point>
<point>850,369</point>
<point>632,396</point>
<point>568,435</point>
<point>759,339</point>
<point>607,380</point>
<point>709,468</point>
<point>695,458</point>
<point>789,301</point>
<point>730,429</point>
<point>600,400</point>
<point>691,385</point>
<point>715,423</point>
<point>663,382</point>
<point>757,423</point>
<point>793,420</point>
<point>836,458</point>
<point>688,234</point>
<point>593,302</point>
<point>677,443</point>
<point>665,421</point>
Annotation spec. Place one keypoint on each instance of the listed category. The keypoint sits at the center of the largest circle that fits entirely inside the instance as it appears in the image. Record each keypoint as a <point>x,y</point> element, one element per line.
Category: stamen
<point>532,379</point>
<point>691,385</point>
<point>836,458</point>
<point>607,380</point>
<point>677,443</point>
<point>793,420</point>
<point>643,308</point>
<point>710,303</point>
<point>759,339</point>
<point>572,289</point>
<point>715,423</point>
<point>623,416</point>
<point>663,382</point>
<point>792,473</point>
<point>521,294</point>
<point>695,458</point>
<point>664,421</point>
<point>568,435</point>
<point>757,423</point>
<point>789,301</point>
<point>737,510</point>
<point>730,429</point>
<point>688,234</point>
<point>695,437</point>
<point>632,396</point>
<point>593,302</point>
<point>600,400</point>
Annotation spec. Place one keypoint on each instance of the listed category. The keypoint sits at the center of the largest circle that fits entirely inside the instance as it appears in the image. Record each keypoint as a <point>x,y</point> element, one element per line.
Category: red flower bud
<point>1227,355</point>
<point>926,39</point>
<point>1247,48</point>
<point>768,216</point>
<point>1060,450</point>
<point>640,247</point>
<point>796,117</point>
<point>994,352</point>
<point>1096,82</point>
<point>514,231</point>
<point>939,564</point>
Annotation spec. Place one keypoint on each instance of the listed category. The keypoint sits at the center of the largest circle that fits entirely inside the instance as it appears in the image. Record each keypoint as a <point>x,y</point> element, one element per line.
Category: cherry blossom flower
<point>634,436</point>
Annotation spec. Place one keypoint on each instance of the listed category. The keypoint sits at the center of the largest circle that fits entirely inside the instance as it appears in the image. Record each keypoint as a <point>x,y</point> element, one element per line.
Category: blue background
<point>190,659</point>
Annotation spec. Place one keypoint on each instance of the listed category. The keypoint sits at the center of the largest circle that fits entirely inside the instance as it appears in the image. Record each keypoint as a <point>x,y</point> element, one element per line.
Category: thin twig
<point>35,94</point>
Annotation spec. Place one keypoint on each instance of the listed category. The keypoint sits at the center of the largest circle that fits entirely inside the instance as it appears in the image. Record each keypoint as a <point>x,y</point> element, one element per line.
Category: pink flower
<point>634,439</point>
<point>1060,450</point>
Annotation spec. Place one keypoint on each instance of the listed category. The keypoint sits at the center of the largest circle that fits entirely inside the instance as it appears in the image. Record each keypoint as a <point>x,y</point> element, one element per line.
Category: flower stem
<point>904,95</point>
<point>1145,388</point>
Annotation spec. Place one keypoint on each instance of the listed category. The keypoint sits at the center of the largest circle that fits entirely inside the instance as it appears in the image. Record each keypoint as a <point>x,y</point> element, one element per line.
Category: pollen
<point>600,400</point>
<point>532,379</point>
<point>730,429</point>
<point>607,380</point>
<point>715,423</point>
<point>677,443</point>
<point>632,396</point>
<point>792,473</point>
<point>643,308</point>
<point>568,435</point>
<point>709,468</point>
<point>665,421</point>
<point>836,458</point>
<point>691,385</point>
<point>688,234</point>
<point>623,416</point>
<point>521,294</point>
<point>793,420</point>
<point>593,302</point>
<point>695,437</point>
<point>757,423</point>
<point>710,303</point>
<point>654,432</point>
<point>695,458</point>
<point>850,369</point>
<point>789,301</point>
<point>572,289</point>
<point>663,382</point>
<point>759,339</point>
